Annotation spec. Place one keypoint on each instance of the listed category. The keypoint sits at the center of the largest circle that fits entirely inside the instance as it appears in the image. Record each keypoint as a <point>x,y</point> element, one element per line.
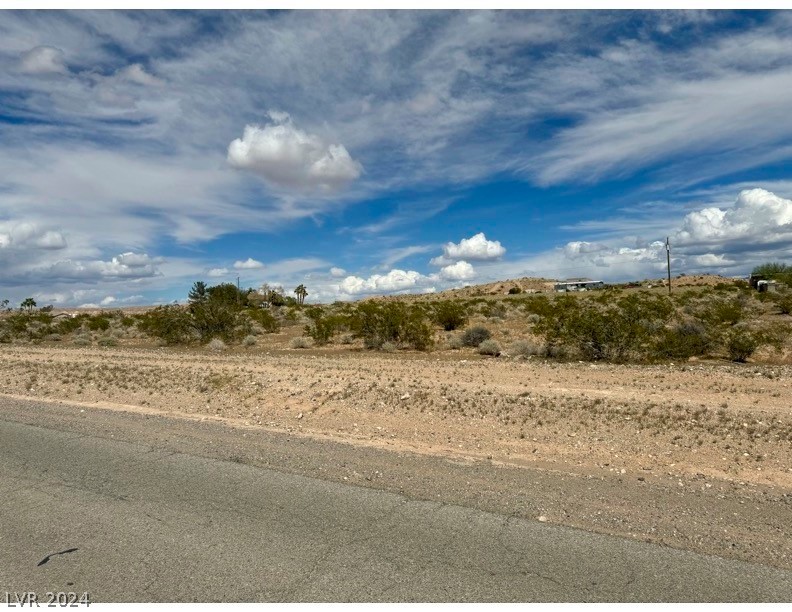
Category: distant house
<point>578,284</point>
<point>763,286</point>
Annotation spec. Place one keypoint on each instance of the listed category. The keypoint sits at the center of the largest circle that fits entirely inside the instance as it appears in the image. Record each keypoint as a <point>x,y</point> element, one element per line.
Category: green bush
<point>515,291</point>
<point>264,318</point>
<point>723,311</point>
<point>450,315</point>
<point>684,340</point>
<point>741,344</point>
<point>323,325</point>
<point>321,330</point>
<point>536,304</point>
<point>395,322</point>
<point>475,336</point>
<point>784,302</point>
<point>98,323</point>
<point>67,325</point>
<point>216,319</point>
<point>605,327</point>
<point>171,324</point>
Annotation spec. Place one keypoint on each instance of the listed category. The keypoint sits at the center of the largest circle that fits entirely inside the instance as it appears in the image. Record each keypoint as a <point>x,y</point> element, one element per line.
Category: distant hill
<point>545,285</point>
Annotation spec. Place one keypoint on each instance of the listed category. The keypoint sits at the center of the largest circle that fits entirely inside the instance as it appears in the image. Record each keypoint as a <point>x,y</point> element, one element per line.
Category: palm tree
<point>29,304</point>
<point>301,292</point>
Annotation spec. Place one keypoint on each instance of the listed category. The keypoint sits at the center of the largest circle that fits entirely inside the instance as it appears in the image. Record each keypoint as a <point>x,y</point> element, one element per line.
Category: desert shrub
<point>454,342</point>
<point>16,325</point>
<point>489,347</point>
<point>99,323</point>
<point>475,336</point>
<point>67,325</point>
<point>128,321</point>
<point>493,310</point>
<point>536,305</point>
<point>723,311</point>
<point>784,302</point>
<point>395,322</point>
<point>348,339</point>
<point>300,343</point>
<point>450,314</point>
<point>107,341</point>
<point>683,340</point>
<point>226,295</point>
<point>605,328</point>
<point>533,318</point>
<point>323,326</point>
<point>526,348</point>
<point>388,347</point>
<point>81,341</point>
<point>53,337</point>
<point>170,324</point>
<point>291,314</point>
<point>264,318</point>
<point>217,319</point>
<point>741,343</point>
<point>5,338</point>
<point>216,344</point>
<point>249,341</point>
<point>515,291</point>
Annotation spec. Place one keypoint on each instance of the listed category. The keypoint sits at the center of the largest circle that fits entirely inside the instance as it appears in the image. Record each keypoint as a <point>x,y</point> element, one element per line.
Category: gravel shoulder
<point>692,456</point>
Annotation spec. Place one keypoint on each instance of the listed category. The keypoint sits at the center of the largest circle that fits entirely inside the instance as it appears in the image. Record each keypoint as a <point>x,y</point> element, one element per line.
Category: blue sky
<point>376,152</point>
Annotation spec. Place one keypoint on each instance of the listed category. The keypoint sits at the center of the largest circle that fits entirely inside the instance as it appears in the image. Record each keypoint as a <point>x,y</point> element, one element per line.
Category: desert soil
<point>693,455</point>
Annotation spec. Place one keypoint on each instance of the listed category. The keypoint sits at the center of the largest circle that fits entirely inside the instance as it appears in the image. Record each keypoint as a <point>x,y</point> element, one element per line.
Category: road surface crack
<point>48,557</point>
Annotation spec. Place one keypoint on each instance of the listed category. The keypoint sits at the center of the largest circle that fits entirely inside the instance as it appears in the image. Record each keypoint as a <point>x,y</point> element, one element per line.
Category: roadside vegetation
<point>622,324</point>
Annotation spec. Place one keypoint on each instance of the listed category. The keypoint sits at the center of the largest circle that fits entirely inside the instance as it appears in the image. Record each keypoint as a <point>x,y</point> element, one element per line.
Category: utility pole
<point>668,260</point>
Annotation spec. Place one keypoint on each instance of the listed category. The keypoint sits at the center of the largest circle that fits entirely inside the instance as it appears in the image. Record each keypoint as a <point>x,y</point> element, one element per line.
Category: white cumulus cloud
<point>757,216</point>
<point>337,272</point>
<point>395,280</point>
<point>43,60</point>
<point>475,248</point>
<point>248,264</point>
<point>217,272</point>
<point>288,157</point>
<point>460,270</point>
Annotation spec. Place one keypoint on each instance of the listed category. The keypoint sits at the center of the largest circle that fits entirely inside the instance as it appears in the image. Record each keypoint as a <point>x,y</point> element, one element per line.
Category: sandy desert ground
<point>720,433</point>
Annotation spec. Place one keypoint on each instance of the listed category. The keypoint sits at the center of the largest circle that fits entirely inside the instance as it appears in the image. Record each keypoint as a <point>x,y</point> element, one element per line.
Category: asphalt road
<point>145,523</point>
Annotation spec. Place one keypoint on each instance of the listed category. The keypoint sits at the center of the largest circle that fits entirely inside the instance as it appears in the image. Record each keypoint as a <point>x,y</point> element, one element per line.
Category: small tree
<point>28,304</point>
<point>198,294</point>
<point>301,292</point>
